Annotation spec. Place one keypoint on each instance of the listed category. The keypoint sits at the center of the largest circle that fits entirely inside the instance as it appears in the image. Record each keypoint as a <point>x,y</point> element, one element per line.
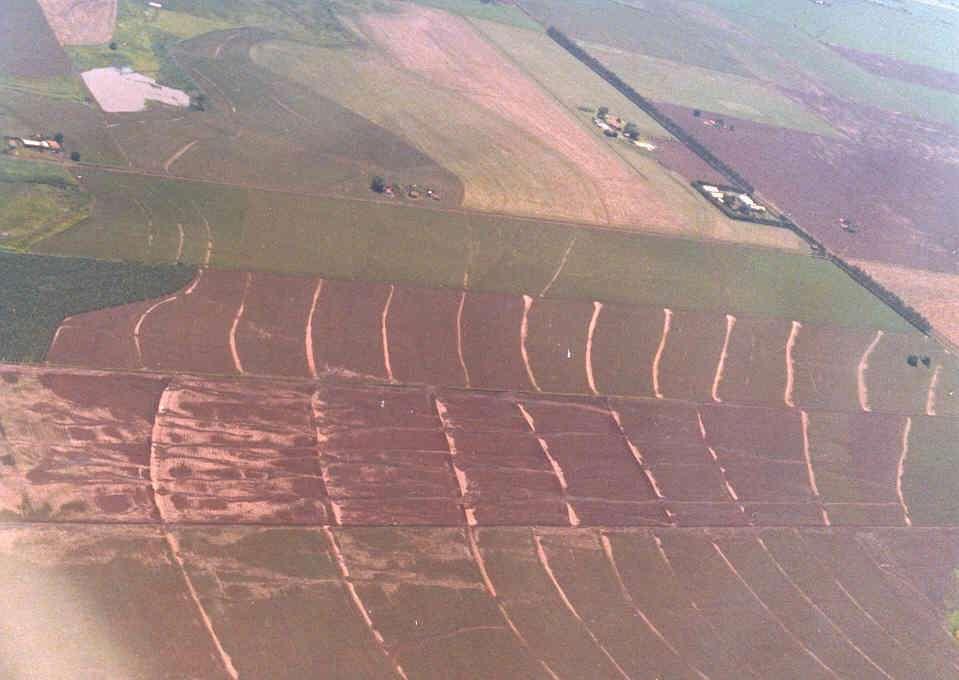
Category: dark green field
<point>37,293</point>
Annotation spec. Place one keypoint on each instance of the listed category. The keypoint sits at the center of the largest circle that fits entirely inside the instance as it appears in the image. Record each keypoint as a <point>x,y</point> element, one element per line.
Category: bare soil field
<point>89,446</point>
<point>81,22</point>
<point>28,49</point>
<point>240,323</point>
<point>904,217</point>
<point>442,603</point>
<point>119,91</point>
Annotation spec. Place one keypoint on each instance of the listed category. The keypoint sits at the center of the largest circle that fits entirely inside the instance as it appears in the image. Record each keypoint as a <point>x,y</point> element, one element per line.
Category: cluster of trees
<point>650,109</point>
<point>858,274</point>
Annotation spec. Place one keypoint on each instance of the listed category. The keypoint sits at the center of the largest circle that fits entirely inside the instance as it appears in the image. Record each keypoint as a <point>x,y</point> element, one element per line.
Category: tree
<point>912,360</point>
<point>58,138</point>
<point>602,112</point>
<point>75,156</point>
<point>631,130</point>
<point>697,113</point>
<point>113,46</point>
<point>378,184</point>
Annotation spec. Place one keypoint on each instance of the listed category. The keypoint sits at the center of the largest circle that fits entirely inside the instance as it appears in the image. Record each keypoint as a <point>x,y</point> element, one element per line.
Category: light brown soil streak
<point>385,334</point>
<point>809,469</point>
<point>544,561</point>
<point>790,368</point>
<point>358,602</point>
<point>792,636</point>
<point>459,333</point>
<point>931,394</point>
<point>722,470</point>
<point>667,318</point>
<point>559,269</point>
<point>553,463</point>
<point>637,456</point>
<point>901,468</point>
<point>234,352</point>
<point>611,558</point>
<point>730,323</point>
<point>176,156</point>
<point>523,336</point>
<point>819,610</point>
<point>863,391</point>
<point>308,339</point>
<point>590,378</point>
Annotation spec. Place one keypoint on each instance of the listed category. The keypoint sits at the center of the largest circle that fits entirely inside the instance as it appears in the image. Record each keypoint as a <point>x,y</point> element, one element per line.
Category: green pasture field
<point>38,292</point>
<point>37,200</point>
<point>366,240</point>
<point>487,11</point>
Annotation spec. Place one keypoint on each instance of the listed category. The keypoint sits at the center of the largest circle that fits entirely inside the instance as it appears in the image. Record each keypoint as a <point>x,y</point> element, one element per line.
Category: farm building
<point>37,144</point>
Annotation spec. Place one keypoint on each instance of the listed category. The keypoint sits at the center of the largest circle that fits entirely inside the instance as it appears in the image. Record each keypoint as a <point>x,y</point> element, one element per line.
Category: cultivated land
<point>145,219</point>
<point>233,322</point>
<point>39,292</point>
<point>37,200</point>
<point>81,23</point>
<point>321,436</point>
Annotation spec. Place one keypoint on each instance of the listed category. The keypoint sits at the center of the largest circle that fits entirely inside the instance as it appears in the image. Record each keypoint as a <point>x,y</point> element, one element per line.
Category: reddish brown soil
<point>270,336</point>
<point>28,48</point>
<point>557,345</point>
<point>906,214</point>
<point>429,341</point>
<point>494,321</point>
<point>76,447</point>
<point>755,369</point>
<point>890,67</point>
<point>624,345</point>
<point>691,354</point>
<point>423,337</point>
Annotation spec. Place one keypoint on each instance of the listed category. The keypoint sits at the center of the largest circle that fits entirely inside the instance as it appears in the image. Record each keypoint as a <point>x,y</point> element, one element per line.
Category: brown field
<point>614,537</point>
<point>905,216</point>
<point>81,22</point>
<point>466,603</point>
<point>239,323</point>
<point>93,446</point>
<point>28,49</point>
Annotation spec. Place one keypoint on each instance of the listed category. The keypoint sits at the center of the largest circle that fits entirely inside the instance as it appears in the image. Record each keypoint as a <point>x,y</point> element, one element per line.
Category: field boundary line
<point>789,633</point>
<point>544,562</point>
<point>819,609</point>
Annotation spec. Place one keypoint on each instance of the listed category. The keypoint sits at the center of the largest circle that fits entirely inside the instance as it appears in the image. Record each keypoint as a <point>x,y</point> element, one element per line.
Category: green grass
<point>340,238</point>
<point>60,87</point>
<point>37,293</point>
<point>37,200</point>
<point>33,172</point>
<point>30,213</point>
<point>489,11</point>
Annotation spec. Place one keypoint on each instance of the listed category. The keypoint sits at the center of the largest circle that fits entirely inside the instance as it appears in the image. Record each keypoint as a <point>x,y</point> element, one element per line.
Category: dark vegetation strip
<point>37,292</point>
<point>911,315</point>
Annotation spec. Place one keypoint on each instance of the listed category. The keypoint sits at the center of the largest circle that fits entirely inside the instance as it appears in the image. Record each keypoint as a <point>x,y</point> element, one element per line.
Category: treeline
<point>650,109</point>
<point>856,273</point>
